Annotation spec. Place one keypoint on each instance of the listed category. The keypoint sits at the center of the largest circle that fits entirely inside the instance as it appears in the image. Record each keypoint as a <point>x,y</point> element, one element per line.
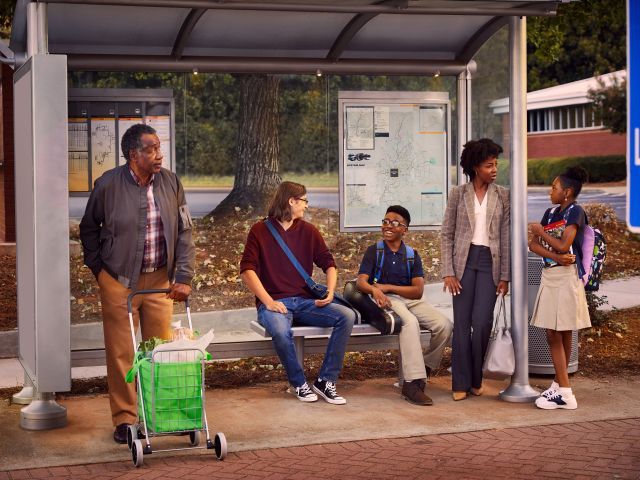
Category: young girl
<point>561,304</point>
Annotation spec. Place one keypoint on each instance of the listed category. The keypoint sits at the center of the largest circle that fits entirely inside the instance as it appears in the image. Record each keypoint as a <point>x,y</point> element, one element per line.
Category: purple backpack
<point>594,252</point>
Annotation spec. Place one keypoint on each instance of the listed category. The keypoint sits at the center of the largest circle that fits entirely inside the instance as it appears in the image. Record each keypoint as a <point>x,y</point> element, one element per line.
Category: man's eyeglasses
<point>150,149</point>
<point>305,200</point>
<point>394,223</point>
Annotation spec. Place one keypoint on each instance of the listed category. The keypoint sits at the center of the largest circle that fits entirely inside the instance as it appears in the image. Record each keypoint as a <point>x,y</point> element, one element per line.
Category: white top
<point>480,236</point>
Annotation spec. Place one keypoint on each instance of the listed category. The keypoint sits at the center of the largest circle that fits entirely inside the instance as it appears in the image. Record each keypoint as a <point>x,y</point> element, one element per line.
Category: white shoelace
<point>331,389</point>
<point>548,393</point>
<point>304,390</point>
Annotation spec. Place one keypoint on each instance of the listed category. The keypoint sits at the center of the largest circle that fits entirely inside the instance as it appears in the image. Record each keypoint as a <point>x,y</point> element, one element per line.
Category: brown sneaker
<point>412,392</point>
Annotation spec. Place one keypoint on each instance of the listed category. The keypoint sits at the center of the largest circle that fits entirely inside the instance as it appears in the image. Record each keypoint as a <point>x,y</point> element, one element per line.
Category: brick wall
<point>576,144</point>
<point>568,143</point>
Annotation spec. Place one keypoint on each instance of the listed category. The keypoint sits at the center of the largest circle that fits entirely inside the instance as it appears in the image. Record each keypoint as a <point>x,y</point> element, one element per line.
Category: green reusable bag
<point>171,394</point>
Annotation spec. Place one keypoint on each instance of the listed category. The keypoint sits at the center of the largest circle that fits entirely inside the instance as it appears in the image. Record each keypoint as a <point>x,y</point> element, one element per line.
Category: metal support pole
<point>43,413</point>
<point>43,29</point>
<point>32,29</point>
<point>24,396</point>
<point>519,390</point>
<point>463,125</point>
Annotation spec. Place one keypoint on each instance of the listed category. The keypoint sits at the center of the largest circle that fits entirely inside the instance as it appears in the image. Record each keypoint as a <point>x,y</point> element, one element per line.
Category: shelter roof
<point>289,36</point>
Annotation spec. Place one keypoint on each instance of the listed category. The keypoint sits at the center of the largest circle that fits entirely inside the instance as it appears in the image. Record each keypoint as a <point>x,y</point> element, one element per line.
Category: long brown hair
<point>279,207</point>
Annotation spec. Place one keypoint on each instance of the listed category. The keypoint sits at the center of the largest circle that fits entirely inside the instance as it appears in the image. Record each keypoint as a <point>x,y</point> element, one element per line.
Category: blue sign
<point>633,115</point>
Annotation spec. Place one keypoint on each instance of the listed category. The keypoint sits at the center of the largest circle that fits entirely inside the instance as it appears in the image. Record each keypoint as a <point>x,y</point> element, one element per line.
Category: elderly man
<point>136,234</point>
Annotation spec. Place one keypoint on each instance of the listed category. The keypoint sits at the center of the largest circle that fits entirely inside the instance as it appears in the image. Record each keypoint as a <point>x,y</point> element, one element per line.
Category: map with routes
<point>394,154</point>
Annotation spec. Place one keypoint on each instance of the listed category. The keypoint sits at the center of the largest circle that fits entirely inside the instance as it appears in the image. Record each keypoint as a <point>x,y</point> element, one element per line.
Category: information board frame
<point>100,104</point>
<point>362,135</point>
<point>633,115</point>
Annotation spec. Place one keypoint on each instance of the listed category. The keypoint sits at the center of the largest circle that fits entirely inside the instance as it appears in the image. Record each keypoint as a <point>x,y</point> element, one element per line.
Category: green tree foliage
<point>586,38</point>
<point>6,15</point>
<point>610,103</point>
<point>206,110</point>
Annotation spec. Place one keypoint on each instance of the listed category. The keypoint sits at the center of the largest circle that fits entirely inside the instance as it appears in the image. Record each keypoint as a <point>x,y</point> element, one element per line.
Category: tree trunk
<point>258,147</point>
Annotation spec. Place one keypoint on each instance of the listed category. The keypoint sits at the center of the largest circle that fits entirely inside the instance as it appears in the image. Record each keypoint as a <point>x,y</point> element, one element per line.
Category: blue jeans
<point>303,311</point>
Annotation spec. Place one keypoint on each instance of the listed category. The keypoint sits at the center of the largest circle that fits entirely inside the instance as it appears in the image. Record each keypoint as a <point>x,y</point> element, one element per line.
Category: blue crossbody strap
<point>285,248</point>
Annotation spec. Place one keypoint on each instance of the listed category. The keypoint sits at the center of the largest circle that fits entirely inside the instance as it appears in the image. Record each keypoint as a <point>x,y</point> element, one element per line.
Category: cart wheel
<point>136,453</point>
<point>132,434</point>
<point>194,438</point>
<point>220,445</point>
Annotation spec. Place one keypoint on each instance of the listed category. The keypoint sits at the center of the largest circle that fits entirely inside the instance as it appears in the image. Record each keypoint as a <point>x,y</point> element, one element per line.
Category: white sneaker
<point>549,392</point>
<point>305,394</point>
<point>557,400</point>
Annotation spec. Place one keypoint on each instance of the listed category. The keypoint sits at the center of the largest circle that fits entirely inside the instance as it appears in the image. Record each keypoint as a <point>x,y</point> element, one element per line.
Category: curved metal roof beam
<point>355,25</point>
<point>535,9</point>
<point>480,37</point>
<point>187,27</point>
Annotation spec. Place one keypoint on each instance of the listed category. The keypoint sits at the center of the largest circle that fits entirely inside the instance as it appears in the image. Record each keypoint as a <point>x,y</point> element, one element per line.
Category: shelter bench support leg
<point>298,342</point>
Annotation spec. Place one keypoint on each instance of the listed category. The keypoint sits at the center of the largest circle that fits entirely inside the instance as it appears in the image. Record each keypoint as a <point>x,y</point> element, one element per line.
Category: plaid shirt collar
<point>137,179</point>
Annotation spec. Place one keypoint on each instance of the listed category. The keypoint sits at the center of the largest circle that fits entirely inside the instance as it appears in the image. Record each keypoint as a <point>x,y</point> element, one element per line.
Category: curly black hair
<point>475,152</point>
<point>573,178</point>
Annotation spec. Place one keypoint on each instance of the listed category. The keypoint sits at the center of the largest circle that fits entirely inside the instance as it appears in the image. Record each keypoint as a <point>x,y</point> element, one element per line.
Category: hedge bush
<point>542,171</point>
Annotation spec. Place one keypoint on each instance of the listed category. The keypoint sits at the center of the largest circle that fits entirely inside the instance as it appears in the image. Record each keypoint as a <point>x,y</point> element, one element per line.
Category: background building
<point>561,121</point>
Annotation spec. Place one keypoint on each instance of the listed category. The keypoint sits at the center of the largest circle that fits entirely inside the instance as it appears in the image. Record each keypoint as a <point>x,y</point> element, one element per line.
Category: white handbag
<point>500,362</point>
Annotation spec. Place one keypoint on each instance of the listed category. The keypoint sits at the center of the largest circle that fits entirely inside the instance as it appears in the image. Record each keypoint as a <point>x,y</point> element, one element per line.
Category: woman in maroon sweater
<point>282,296</point>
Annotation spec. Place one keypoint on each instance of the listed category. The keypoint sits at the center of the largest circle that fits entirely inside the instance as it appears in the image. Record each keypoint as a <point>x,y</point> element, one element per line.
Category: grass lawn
<point>307,179</point>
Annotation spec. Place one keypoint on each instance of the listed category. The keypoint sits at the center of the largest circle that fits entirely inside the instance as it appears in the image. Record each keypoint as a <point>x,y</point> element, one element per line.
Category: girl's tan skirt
<point>561,303</point>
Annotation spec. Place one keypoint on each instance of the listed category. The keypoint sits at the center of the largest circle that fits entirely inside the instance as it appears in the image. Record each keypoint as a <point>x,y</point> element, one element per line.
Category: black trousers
<point>472,320</point>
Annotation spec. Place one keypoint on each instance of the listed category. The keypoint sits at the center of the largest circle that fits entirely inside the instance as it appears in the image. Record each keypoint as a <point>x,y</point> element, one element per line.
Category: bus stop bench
<point>364,337</point>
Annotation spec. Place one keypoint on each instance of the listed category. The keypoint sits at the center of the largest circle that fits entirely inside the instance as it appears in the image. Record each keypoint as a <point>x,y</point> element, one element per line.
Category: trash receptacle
<point>540,361</point>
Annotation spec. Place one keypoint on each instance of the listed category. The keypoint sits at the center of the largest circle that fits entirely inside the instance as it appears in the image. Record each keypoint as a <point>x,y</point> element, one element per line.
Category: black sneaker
<point>304,393</point>
<point>327,390</point>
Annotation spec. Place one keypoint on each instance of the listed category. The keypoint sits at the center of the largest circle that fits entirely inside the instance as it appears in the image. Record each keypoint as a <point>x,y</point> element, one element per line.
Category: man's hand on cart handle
<point>179,292</point>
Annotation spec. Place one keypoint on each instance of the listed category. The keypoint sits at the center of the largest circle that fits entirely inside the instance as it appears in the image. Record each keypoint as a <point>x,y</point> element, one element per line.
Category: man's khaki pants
<point>152,311</point>
<point>416,314</point>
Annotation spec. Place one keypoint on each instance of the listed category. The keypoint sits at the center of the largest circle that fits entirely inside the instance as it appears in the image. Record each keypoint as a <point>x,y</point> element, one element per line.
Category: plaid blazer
<point>458,225</point>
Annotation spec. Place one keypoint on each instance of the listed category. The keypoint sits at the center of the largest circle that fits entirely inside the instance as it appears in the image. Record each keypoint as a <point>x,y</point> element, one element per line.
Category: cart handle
<point>146,292</point>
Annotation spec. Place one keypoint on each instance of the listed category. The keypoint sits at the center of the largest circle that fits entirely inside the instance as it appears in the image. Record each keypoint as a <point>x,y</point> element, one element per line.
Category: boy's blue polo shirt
<point>394,268</point>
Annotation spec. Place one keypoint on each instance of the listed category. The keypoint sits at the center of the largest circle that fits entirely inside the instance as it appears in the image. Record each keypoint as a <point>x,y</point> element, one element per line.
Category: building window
<point>571,117</point>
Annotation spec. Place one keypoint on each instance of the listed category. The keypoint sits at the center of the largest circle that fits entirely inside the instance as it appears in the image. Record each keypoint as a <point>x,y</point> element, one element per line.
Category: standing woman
<point>475,260</point>
<point>561,304</point>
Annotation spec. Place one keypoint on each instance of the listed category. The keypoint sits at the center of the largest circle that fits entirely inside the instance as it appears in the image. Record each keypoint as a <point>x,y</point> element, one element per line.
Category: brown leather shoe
<point>120,433</point>
<point>412,392</point>
<point>477,391</point>
<point>457,396</point>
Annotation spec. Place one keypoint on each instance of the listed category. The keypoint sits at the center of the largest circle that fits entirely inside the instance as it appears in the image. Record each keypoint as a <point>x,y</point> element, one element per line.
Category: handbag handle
<point>307,279</point>
<point>502,313</point>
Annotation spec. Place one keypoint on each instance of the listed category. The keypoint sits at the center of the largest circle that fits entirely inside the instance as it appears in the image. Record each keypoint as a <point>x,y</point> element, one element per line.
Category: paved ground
<point>589,450</point>
<point>266,417</point>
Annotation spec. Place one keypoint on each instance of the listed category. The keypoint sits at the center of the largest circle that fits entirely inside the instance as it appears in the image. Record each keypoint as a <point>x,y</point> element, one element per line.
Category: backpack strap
<point>410,257</point>
<point>379,261</point>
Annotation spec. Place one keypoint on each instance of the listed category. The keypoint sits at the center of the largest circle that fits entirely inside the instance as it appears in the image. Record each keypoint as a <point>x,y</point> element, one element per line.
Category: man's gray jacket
<point>113,228</point>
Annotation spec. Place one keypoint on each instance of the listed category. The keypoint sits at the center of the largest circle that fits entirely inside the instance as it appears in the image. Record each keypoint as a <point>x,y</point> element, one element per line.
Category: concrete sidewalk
<point>266,417</point>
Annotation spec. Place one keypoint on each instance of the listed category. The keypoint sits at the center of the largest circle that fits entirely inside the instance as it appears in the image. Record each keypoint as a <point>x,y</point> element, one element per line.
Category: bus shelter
<point>363,37</point>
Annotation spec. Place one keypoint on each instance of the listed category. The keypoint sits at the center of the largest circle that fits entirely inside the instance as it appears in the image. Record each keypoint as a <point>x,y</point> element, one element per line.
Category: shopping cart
<point>171,395</point>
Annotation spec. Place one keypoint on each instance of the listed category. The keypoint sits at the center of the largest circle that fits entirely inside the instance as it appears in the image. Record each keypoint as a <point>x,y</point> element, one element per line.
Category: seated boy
<point>396,281</point>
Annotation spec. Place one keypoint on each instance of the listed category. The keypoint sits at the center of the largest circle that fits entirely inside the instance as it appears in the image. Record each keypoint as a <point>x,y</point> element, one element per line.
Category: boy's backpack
<point>409,257</point>
<point>594,252</point>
